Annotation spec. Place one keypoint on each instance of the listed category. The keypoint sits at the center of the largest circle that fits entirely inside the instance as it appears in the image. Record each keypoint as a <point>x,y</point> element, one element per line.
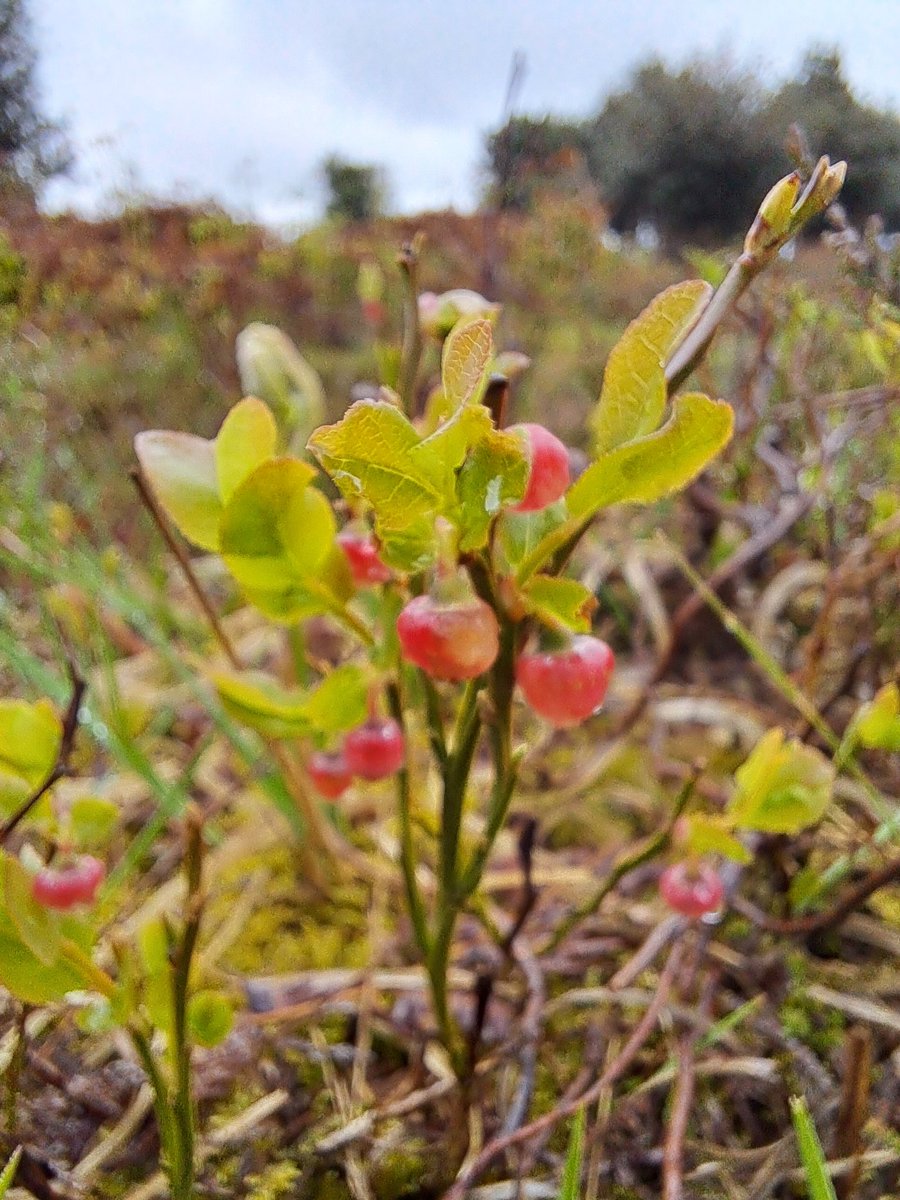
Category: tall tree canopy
<point>694,149</point>
<point>355,190</point>
<point>32,148</point>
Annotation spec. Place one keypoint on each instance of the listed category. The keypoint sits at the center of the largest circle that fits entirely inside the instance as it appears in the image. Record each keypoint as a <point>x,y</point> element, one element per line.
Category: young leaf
<point>338,703</point>
<point>466,428</point>
<point>92,820</point>
<point>708,834</point>
<point>210,1017</point>
<point>522,533</point>
<point>571,1182</point>
<point>273,369</point>
<point>643,471</point>
<point>466,357</point>
<point>782,787</point>
<point>815,1165</point>
<point>877,724</point>
<point>30,980</point>
<point>248,437</point>
<point>30,735</point>
<point>257,700</point>
<point>559,602</point>
<point>36,926</point>
<point>494,474</point>
<point>633,398</point>
<point>275,529</point>
<point>181,470</point>
<point>8,1174</point>
<point>324,591</point>
<point>375,454</point>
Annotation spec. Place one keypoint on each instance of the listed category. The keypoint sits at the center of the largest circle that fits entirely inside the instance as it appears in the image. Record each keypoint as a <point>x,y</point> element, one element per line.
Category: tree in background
<point>686,151</point>
<point>528,153</point>
<point>32,148</point>
<point>822,102</point>
<point>355,190</point>
<point>690,150</point>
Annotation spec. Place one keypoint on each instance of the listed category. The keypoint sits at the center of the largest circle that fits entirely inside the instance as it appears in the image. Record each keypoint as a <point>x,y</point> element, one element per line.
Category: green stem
<point>183,1107</point>
<point>456,776</point>
<point>168,1134</point>
<point>411,351</point>
<point>414,901</point>
<point>435,722</point>
<point>351,621</point>
<point>563,539</point>
<point>692,349</point>
<point>438,964</point>
<point>505,766</point>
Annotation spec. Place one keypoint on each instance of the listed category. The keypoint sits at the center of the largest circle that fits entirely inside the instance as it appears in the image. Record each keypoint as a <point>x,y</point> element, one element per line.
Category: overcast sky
<point>240,100</point>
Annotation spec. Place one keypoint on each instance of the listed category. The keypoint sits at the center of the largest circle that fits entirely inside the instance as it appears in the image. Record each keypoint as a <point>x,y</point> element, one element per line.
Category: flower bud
<point>438,314</point>
<point>772,224</point>
<point>273,369</point>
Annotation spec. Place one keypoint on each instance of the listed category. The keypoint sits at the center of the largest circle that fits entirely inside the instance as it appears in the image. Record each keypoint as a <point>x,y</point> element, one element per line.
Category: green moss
<point>274,1183</point>
<point>287,933</point>
<point>820,1028</point>
<point>399,1172</point>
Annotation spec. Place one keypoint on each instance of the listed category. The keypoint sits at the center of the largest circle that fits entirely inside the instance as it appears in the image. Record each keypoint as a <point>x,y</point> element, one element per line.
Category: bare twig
<point>561,1112</point>
<point>682,1099</point>
<point>152,506</point>
<point>61,767</point>
<point>829,918</point>
<point>649,849</point>
<point>854,1107</point>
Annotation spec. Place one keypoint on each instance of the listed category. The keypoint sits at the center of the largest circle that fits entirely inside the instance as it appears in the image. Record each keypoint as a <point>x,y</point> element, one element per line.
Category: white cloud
<point>242,99</point>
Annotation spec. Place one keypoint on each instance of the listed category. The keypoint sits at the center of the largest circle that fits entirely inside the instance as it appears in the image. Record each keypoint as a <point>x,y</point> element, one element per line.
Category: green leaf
<point>273,369</point>
<point>448,445</point>
<point>815,1165</point>
<point>276,530</point>
<point>804,887</point>
<point>8,1174</point>
<point>782,787</point>
<point>326,591</point>
<point>493,475</point>
<point>707,834</point>
<point>154,947</point>
<point>92,821</point>
<point>248,437</point>
<point>181,470</point>
<point>466,357</point>
<point>877,724</point>
<point>662,462</point>
<point>210,1017</point>
<point>522,533</point>
<point>30,736</point>
<point>374,454</point>
<point>339,702</point>
<point>14,791</point>
<point>571,1181</point>
<point>633,398</point>
<point>37,927</point>
<point>559,602</point>
<point>257,700</point>
<point>30,980</point>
